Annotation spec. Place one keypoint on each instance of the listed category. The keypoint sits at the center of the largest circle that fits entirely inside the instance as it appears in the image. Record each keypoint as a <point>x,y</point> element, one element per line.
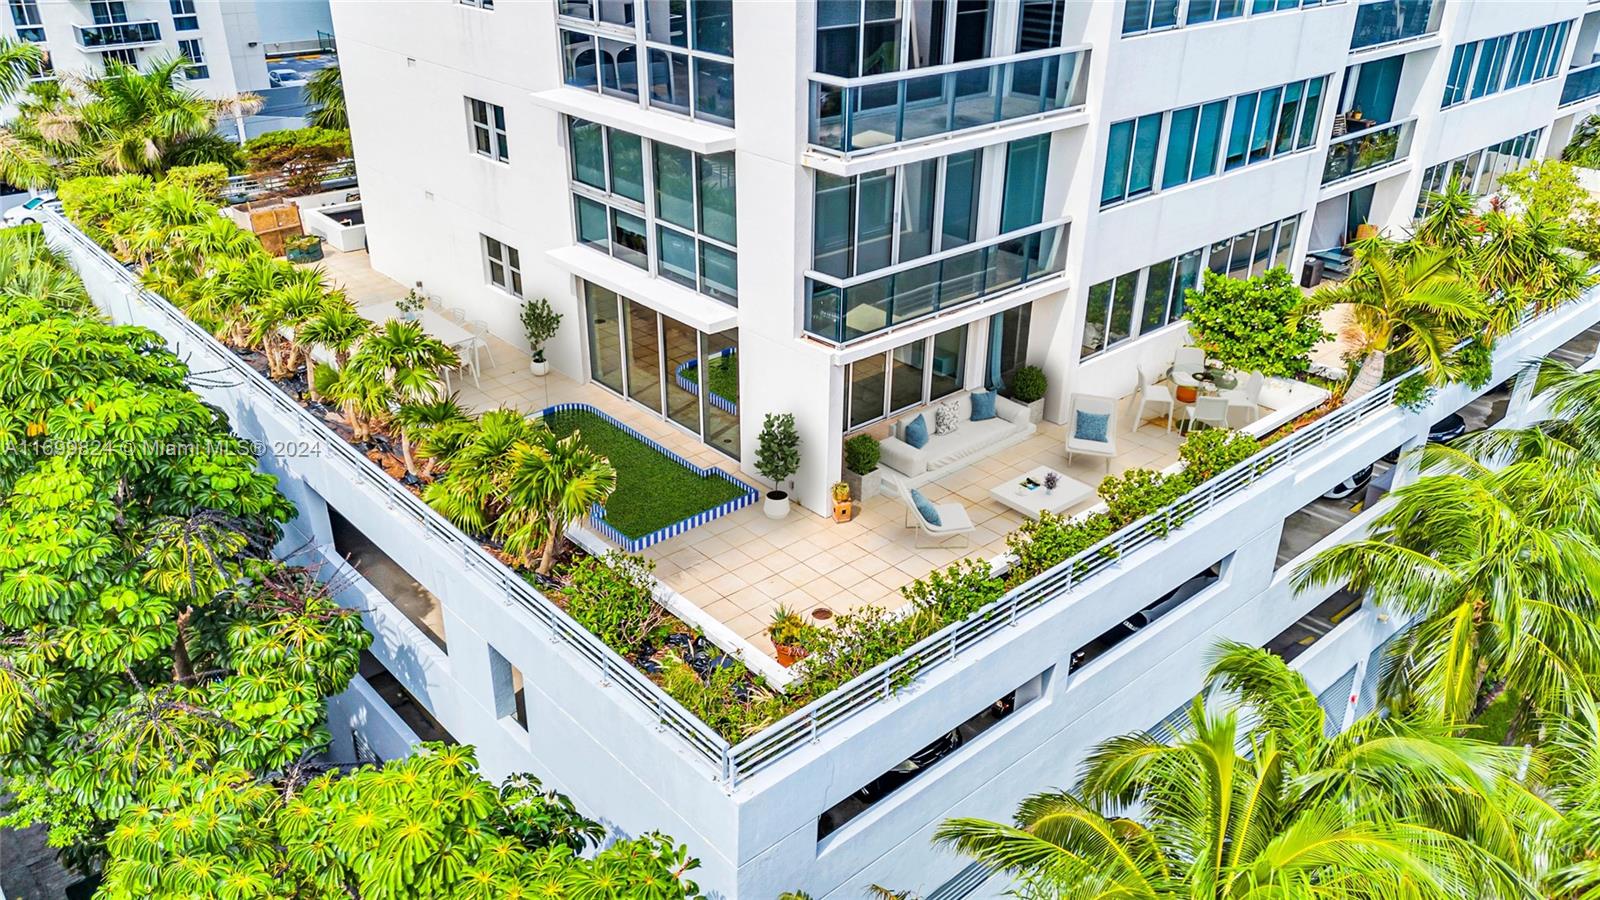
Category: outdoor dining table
<point>451,332</point>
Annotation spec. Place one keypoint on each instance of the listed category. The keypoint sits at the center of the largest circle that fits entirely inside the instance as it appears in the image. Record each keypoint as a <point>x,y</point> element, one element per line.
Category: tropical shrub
<point>1262,324</point>
<point>861,454</point>
<point>778,448</point>
<point>613,597</point>
<point>297,157</point>
<point>208,181</point>
<point>724,698</point>
<point>1211,451</point>
<point>1137,493</point>
<point>1038,545</point>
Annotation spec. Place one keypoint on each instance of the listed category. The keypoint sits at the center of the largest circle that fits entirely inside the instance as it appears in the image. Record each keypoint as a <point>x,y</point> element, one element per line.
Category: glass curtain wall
<point>665,365</point>
<point>913,374</point>
<point>872,37</point>
<point>683,65</point>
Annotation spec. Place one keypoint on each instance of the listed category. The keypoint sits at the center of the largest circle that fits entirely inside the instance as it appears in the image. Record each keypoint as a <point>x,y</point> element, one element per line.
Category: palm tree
<point>336,327</point>
<point>474,453</point>
<point>1392,808</point>
<point>551,482</point>
<point>325,91</point>
<point>414,419</point>
<point>1523,260</point>
<point>1572,747</point>
<point>1417,306</point>
<point>399,364</point>
<point>280,313</point>
<point>125,121</point>
<point>1451,222</point>
<point>1496,552</point>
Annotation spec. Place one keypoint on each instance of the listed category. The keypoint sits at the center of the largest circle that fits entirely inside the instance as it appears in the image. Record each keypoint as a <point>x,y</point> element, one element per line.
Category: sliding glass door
<point>660,363</point>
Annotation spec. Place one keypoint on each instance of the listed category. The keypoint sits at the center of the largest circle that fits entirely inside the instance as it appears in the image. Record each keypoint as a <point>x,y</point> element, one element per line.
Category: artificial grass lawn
<point>653,490</point>
<point>724,377</point>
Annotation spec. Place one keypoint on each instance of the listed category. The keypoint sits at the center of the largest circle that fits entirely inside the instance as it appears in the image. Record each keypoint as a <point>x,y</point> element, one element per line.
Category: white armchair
<point>1248,396</point>
<point>950,519</point>
<point>1092,427</point>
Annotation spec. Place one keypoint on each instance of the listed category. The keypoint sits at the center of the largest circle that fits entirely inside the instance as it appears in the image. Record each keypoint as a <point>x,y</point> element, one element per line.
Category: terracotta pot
<point>789,654</point>
<point>843,511</point>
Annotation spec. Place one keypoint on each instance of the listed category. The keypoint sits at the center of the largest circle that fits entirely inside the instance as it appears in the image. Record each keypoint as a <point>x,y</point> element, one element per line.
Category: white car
<point>27,213</point>
<point>284,78</point>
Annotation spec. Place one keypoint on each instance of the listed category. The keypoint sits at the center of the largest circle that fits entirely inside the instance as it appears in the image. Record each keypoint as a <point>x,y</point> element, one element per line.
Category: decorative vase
<point>776,506</point>
<point>539,367</point>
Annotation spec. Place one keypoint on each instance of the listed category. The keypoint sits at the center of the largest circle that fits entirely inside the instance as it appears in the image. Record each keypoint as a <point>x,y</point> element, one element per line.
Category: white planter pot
<point>1036,411</point>
<point>864,487</point>
<point>539,367</point>
<point>776,506</point>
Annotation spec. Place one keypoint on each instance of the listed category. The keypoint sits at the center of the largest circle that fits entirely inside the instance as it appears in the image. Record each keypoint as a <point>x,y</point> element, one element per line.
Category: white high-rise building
<point>878,206</point>
<point>227,41</point>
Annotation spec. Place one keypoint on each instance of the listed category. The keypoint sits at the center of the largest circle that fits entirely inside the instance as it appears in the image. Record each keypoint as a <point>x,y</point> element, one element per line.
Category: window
<point>1143,16</point>
<point>1022,204</point>
<point>1486,67</point>
<point>1189,143</point>
<point>504,265</point>
<point>1479,171</point>
<point>910,375</point>
<point>1039,24</point>
<point>25,15</point>
<point>510,700</point>
<point>628,191</point>
<point>481,4</point>
<point>107,12</point>
<point>184,16</point>
<point>684,64</point>
<point>1149,15</point>
<point>872,37</point>
<point>488,130</point>
<point>190,48</point>
<point>124,56</point>
<point>1145,300</point>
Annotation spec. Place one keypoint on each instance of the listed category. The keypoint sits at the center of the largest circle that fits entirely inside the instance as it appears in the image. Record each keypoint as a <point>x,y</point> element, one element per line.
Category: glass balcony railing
<point>118,34</point>
<point>1384,21</point>
<point>841,310</point>
<point>1581,84</point>
<point>850,115</point>
<point>1367,150</point>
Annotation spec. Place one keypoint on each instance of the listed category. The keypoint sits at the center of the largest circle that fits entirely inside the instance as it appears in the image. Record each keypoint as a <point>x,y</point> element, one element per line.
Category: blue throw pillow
<point>917,432</point>
<point>1091,426</point>
<point>925,507</point>
<point>982,405</point>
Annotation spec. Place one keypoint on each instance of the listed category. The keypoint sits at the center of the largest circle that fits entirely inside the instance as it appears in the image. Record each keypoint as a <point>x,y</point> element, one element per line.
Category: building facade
<point>876,204</point>
<point>226,41</point>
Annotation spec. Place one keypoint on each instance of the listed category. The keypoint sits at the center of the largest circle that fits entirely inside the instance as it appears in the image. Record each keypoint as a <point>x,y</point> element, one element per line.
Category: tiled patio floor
<point>740,567</point>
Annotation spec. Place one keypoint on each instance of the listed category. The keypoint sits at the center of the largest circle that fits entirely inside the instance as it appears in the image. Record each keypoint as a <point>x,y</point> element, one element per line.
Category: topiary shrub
<point>861,454</point>
<point>1029,384</point>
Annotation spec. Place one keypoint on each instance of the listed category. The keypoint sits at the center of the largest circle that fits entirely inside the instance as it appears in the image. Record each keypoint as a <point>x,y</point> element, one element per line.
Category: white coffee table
<point>1033,501</point>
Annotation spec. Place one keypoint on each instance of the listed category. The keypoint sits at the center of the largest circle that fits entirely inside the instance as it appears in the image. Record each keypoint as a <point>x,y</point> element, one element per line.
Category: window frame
<point>496,135</point>
<point>887,410</point>
<point>197,70</point>
<point>1494,65</point>
<point>509,261</point>
<point>596,28</point>
<point>185,17</point>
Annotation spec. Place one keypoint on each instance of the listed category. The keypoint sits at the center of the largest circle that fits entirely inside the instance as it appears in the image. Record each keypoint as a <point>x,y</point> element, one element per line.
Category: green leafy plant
<point>778,448</point>
<point>552,481</point>
<point>787,628</point>
<point>1137,493</point>
<point>1212,451</point>
<point>1029,384</point>
<point>861,454</point>
<point>302,242</point>
<point>1262,324</point>
<point>297,158</point>
<point>612,596</point>
<point>539,325</point>
<point>1039,545</point>
<point>724,698</point>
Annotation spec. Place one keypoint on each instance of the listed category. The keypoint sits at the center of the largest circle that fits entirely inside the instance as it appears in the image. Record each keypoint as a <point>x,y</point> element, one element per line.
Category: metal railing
<point>854,115</point>
<point>247,186</point>
<point>1366,150</point>
<point>115,35</point>
<point>843,309</point>
<point>1386,21</point>
<point>1581,84</point>
<point>705,744</point>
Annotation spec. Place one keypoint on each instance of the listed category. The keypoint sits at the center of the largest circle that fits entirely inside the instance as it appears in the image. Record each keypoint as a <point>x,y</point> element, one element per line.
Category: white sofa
<point>946,453</point>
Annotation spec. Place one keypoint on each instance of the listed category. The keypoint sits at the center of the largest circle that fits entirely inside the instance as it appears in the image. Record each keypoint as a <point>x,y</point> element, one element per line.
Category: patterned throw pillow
<point>947,417</point>
<point>1091,426</point>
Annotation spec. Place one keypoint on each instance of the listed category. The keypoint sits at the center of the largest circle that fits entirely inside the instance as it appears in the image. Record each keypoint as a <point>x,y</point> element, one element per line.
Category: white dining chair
<point>458,315</point>
<point>469,363</point>
<point>1209,411</point>
<point>1189,360</point>
<point>1248,397</point>
<point>1147,393</point>
<point>480,339</point>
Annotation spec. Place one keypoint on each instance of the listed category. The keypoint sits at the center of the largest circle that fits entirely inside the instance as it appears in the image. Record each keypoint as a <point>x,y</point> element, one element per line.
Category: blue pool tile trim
<point>597,515</point>
<point>693,387</point>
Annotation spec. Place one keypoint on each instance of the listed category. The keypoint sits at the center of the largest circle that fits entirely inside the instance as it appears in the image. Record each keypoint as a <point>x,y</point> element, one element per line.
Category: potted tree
<point>842,510</point>
<point>787,632</point>
<point>1028,387</point>
<point>539,324</point>
<point>861,466</point>
<point>777,459</point>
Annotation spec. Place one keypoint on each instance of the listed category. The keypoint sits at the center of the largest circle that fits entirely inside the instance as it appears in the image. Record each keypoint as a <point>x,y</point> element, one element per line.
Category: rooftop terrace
<point>740,567</point>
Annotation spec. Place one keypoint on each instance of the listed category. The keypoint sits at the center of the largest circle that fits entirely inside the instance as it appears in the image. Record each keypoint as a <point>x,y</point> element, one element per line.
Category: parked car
<point>909,768</point>
<point>1169,602</point>
<point>1446,429</point>
<point>1350,486</point>
<point>285,78</point>
<point>27,213</point>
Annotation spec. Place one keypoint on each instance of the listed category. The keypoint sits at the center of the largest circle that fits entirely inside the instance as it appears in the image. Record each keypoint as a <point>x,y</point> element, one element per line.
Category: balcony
<point>1582,83</point>
<point>117,35</point>
<point>1365,150</point>
<point>860,115</point>
<point>841,310</point>
<point>1387,21</point>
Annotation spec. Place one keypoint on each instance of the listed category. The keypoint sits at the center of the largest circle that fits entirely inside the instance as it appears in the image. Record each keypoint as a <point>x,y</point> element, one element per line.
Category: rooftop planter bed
<point>659,493</point>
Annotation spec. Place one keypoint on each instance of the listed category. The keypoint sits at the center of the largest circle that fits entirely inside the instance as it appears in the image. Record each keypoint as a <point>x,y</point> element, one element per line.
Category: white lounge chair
<point>1083,432</point>
<point>953,519</point>
<point>1147,393</point>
